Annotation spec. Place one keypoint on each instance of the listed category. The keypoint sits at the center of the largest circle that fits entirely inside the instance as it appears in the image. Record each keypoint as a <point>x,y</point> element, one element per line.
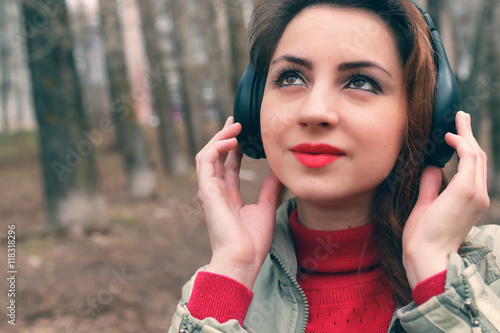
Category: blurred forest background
<point>103,105</point>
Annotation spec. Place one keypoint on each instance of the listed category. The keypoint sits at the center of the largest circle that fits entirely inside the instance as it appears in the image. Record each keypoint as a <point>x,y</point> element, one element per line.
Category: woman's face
<point>334,109</point>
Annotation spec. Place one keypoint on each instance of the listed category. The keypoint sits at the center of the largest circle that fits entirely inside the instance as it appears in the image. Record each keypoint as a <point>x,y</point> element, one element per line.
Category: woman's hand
<point>240,235</point>
<point>439,223</point>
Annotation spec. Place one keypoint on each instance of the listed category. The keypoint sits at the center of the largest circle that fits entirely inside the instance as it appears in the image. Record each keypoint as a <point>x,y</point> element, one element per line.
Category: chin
<point>323,195</point>
<point>332,195</point>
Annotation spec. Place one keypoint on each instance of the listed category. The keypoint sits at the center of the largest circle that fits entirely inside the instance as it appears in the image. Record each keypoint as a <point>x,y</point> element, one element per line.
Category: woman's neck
<point>330,217</point>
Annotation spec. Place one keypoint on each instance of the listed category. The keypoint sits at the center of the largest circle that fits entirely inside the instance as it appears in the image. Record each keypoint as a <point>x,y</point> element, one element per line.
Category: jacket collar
<point>283,245</point>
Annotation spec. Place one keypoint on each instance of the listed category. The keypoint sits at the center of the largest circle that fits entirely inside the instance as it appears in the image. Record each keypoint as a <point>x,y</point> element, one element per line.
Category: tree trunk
<point>238,34</point>
<point>171,151</point>
<point>468,88</point>
<point>204,58</point>
<point>4,67</point>
<point>141,176</point>
<point>213,22</point>
<point>66,144</point>
<point>190,77</point>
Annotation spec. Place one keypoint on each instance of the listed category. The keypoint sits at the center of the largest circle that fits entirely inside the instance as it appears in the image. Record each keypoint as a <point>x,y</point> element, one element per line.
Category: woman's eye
<point>363,83</point>
<point>289,79</point>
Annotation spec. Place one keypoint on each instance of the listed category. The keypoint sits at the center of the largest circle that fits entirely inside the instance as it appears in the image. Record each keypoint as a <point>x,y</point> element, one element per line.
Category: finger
<point>206,163</point>
<point>482,170</point>
<point>464,129</point>
<point>462,123</point>
<point>470,182</point>
<point>467,158</point>
<point>229,131</point>
<point>207,153</point>
<point>270,192</point>
<point>482,159</point>
<point>484,179</point>
<point>475,154</point>
<point>229,121</point>
<point>219,168</point>
<point>430,185</point>
<point>210,185</point>
<point>233,166</point>
<point>219,165</point>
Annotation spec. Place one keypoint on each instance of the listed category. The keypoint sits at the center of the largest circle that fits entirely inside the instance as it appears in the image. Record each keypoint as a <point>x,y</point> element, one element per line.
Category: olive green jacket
<point>470,303</point>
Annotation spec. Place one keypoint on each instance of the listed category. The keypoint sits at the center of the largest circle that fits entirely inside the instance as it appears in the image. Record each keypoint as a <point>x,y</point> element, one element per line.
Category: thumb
<point>270,192</point>
<point>430,184</point>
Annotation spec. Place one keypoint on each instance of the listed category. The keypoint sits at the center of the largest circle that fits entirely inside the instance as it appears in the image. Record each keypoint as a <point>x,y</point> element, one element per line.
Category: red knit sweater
<point>342,280</point>
<point>340,275</point>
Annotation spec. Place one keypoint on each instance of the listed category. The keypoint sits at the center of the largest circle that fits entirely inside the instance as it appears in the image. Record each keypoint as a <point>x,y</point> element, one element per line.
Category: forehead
<point>339,32</point>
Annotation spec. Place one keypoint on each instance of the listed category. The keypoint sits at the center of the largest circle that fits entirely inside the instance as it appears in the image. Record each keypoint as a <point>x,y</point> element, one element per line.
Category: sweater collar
<point>340,251</point>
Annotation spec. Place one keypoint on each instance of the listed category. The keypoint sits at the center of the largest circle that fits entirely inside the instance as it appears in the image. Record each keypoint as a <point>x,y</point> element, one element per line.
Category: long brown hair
<point>396,196</point>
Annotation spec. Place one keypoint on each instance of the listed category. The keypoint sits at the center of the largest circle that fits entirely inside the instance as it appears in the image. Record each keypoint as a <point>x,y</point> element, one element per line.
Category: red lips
<point>316,155</point>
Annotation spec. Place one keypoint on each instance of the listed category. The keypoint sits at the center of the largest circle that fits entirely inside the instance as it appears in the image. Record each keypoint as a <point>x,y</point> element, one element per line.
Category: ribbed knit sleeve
<point>429,288</point>
<point>220,297</point>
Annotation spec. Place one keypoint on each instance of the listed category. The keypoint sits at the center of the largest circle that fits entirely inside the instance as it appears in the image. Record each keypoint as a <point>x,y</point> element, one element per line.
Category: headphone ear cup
<point>247,102</point>
<point>448,103</point>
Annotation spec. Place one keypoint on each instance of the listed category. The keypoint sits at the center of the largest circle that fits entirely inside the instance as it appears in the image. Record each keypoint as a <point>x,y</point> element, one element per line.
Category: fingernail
<point>466,117</point>
<point>463,115</point>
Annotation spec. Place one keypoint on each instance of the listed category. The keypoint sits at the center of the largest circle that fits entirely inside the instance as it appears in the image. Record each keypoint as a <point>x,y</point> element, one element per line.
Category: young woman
<point>373,240</point>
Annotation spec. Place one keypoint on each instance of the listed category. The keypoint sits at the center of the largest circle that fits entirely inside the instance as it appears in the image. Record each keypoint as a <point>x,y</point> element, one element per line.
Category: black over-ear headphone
<point>250,91</point>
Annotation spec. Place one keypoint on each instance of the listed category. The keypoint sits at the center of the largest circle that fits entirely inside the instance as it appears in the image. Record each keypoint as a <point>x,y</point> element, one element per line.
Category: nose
<point>319,109</point>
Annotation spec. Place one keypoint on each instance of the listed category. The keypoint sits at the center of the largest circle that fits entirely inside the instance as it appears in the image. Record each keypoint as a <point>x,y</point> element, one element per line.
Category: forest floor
<point>126,279</point>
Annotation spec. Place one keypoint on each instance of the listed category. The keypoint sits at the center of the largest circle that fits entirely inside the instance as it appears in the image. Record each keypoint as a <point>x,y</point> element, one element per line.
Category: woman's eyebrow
<point>290,58</point>
<point>357,64</point>
<point>342,67</point>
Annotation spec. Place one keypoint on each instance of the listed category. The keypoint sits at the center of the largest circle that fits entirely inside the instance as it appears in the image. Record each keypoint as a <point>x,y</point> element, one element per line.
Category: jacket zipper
<point>469,307</point>
<point>299,288</point>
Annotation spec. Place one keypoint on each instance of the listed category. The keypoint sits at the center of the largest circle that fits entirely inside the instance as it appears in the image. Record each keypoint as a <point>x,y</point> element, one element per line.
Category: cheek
<point>268,129</point>
<point>265,120</point>
<point>274,120</point>
<point>383,137</point>
<point>392,126</point>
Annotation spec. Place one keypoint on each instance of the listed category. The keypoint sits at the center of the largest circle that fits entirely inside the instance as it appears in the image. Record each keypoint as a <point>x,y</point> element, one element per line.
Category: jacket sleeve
<point>184,322</point>
<point>471,300</point>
